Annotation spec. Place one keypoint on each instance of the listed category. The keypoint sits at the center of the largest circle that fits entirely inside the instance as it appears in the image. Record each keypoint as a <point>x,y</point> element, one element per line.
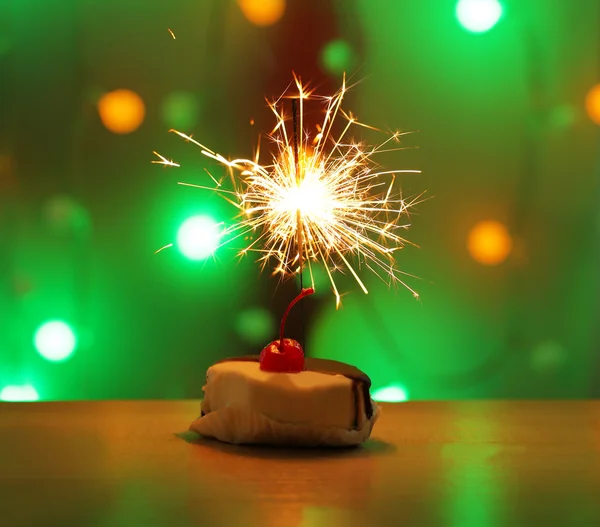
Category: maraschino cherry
<point>284,355</point>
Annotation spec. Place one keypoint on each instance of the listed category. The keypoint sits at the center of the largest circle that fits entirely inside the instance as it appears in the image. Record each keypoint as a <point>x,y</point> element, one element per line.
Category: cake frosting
<point>327,393</point>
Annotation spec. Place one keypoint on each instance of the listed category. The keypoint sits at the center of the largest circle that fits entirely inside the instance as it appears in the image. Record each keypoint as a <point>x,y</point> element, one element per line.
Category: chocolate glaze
<point>361,383</point>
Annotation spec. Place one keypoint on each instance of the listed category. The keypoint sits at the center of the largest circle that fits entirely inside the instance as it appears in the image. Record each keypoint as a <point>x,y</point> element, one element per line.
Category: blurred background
<point>503,98</point>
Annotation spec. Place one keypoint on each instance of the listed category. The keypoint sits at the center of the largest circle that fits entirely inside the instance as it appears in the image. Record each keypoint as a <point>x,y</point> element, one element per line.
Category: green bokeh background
<point>501,132</point>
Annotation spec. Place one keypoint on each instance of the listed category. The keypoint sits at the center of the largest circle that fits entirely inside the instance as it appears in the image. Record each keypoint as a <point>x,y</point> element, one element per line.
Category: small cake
<point>280,397</point>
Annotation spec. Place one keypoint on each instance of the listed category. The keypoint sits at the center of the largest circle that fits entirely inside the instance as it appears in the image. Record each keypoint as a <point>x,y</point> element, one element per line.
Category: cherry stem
<point>303,293</point>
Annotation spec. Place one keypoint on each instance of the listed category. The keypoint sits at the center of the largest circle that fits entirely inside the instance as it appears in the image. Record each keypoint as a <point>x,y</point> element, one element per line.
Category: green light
<point>180,110</point>
<point>337,57</point>
<point>256,326</point>
<point>63,215</point>
<point>394,393</point>
<point>478,16</point>
<point>55,341</point>
<point>548,356</point>
<point>16,392</point>
<point>198,237</point>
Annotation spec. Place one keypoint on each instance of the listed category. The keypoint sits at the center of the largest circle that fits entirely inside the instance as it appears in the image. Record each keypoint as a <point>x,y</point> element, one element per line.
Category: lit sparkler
<point>322,198</point>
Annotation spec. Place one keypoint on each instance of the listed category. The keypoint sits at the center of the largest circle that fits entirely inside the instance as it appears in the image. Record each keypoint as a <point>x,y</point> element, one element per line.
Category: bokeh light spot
<point>256,326</point>
<point>55,341</point>
<point>592,104</point>
<point>394,393</point>
<point>489,242</point>
<point>337,57</point>
<point>18,393</point>
<point>548,356</point>
<point>121,111</point>
<point>198,237</point>
<point>563,116</point>
<point>64,215</point>
<point>262,12</point>
<point>478,16</point>
<point>180,110</point>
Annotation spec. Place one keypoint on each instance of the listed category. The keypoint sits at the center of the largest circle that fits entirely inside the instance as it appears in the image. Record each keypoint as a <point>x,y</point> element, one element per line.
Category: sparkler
<point>322,198</point>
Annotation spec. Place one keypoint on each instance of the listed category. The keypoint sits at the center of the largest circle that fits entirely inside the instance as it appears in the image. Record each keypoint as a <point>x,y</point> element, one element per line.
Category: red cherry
<point>289,359</point>
<point>284,355</point>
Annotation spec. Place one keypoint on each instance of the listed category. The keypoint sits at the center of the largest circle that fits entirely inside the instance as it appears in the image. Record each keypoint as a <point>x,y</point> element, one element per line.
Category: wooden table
<point>458,464</point>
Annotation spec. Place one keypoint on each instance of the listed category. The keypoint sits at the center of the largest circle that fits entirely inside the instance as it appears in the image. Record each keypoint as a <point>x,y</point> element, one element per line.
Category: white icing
<point>307,397</point>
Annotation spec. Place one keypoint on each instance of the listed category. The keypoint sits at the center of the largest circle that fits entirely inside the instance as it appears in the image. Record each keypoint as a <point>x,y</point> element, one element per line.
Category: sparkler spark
<point>164,161</point>
<point>322,198</point>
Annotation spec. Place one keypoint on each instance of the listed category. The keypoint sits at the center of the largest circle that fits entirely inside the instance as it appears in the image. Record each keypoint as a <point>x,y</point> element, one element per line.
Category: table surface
<point>458,464</point>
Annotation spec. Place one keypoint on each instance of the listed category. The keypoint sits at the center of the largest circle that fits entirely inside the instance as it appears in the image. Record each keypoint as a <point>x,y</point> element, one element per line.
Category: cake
<point>280,397</point>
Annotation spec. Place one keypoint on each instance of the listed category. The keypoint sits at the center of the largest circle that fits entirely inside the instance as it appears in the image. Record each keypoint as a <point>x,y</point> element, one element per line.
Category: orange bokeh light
<point>262,12</point>
<point>592,103</point>
<point>489,242</point>
<point>121,111</point>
